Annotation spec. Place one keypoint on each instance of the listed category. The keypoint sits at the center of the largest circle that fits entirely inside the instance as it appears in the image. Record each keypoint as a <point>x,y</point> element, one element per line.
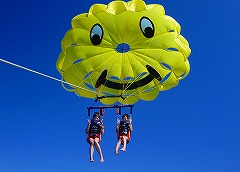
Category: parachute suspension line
<point>137,90</point>
<point>124,58</point>
<point>99,96</point>
<point>118,113</point>
<point>145,93</point>
<point>102,96</point>
<point>97,89</point>
<point>140,89</point>
<point>134,93</point>
<point>44,75</point>
<point>130,83</point>
<point>80,82</point>
<point>117,107</point>
<point>89,114</point>
<point>101,112</point>
<point>130,114</point>
<point>127,86</point>
<point>123,84</point>
<point>99,66</point>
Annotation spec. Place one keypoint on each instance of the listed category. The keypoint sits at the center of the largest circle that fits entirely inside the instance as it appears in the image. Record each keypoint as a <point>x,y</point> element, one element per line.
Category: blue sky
<point>193,127</point>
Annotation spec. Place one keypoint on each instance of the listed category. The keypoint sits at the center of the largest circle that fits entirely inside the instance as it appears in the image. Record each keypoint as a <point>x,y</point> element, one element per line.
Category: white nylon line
<point>44,75</point>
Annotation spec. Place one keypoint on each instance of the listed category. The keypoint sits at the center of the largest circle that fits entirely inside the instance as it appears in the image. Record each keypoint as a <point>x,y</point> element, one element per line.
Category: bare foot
<point>101,159</point>
<point>91,160</point>
<point>123,149</point>
<point>116,152</point>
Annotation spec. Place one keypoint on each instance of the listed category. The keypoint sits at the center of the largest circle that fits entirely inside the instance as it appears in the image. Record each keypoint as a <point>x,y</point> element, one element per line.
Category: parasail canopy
<point>123,52</point>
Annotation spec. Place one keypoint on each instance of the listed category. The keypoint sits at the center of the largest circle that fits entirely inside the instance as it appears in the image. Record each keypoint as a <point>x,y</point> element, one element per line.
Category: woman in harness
<point>94,130</point>
<point>123,129</point>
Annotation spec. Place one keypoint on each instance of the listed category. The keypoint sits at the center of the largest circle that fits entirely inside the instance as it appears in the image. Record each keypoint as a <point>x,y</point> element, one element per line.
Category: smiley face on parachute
<point>123,49</point>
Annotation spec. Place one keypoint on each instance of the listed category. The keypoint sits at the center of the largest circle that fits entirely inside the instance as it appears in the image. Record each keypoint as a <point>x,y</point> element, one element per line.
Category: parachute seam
<point>139,76</point>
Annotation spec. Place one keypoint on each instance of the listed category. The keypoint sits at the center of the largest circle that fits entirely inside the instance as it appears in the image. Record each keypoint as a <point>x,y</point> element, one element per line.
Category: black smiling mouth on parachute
<point>96,36</point>
<point>153,74</point>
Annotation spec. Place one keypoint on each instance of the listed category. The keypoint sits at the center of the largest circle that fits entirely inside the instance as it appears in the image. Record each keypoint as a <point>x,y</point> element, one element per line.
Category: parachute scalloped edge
<point>129,49</point>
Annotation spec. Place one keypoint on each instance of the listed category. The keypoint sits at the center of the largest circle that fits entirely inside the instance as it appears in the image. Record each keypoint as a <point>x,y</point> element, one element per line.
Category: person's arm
<point>102,129</point>
<point>117,127</point>
<point>88,127</point>
<point>130,124</point>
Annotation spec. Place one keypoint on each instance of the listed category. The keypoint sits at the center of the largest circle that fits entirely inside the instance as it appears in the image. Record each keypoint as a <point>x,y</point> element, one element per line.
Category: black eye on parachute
<point>96,34</point>
<point>147,27</point>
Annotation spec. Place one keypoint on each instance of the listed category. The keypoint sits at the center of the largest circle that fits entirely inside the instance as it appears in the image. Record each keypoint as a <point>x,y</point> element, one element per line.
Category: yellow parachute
<point>123,51</point>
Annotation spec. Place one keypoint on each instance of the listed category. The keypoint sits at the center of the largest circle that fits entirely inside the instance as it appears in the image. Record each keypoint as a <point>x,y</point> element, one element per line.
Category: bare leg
<point>124,143</point>
<point>91,149</point>
<point>98,148</point>
<point>117,146</point>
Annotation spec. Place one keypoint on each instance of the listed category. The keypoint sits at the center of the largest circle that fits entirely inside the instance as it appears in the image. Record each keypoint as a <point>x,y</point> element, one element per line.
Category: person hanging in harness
<point>124,129</point>
<point>95,129</point>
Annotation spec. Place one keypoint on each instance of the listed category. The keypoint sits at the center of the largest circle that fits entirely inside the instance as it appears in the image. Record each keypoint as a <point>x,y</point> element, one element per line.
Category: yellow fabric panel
<point>60,62</point>
<point>118,41</point>
<point>148,92</point>
<point>116,7</point>
<point>136,6</point>
<point>137,66</point>
<point>145,60</point>
<point>131,98</point>
<point>84,92</point>
<point>172,81</point>
<point>97,8</point>
<point>187,70</point>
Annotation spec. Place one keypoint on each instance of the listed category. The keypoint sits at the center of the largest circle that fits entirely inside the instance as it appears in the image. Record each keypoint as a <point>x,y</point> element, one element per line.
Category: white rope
<point>44,75</point>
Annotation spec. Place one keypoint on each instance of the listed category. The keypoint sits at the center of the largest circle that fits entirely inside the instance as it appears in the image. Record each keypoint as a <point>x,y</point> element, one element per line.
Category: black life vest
<point>95,128</point>
<point>124,128</point>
